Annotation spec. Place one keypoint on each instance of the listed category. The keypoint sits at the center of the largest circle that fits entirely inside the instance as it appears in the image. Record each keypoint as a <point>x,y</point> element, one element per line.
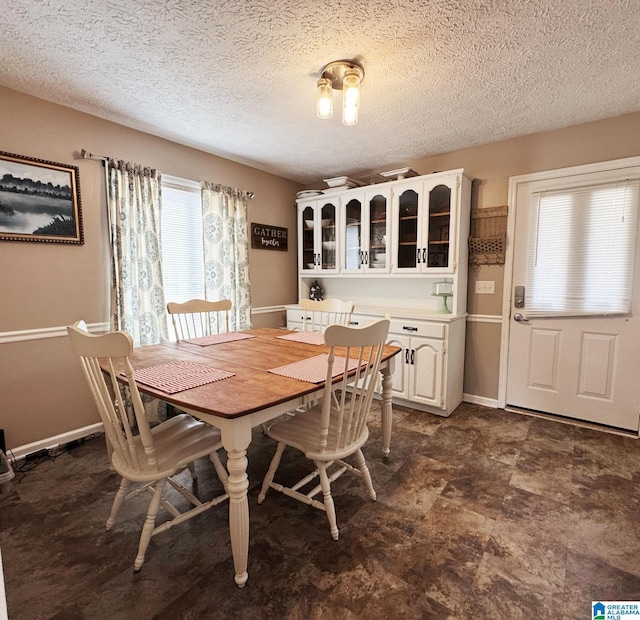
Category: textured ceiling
<point>237,78</point>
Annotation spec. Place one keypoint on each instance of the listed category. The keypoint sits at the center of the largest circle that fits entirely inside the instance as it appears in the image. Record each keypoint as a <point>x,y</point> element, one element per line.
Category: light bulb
<point>324,92</point>
<point>350,96</point>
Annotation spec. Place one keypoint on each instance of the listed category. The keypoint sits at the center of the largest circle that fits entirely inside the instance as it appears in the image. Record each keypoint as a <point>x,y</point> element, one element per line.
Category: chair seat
<point>179,440</point>
<point>302,431</point>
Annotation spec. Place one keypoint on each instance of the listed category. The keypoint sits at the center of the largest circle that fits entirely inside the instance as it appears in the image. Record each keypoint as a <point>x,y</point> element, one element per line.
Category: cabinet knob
<point>409,328</point>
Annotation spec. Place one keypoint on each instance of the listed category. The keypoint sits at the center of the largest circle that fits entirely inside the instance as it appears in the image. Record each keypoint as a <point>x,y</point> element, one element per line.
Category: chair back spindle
<point>198,317</point>
<point>318,315</point>
<point>349,416</point>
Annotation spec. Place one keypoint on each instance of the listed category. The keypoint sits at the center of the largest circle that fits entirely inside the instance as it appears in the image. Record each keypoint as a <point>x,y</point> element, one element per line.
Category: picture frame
<point>39,201</point>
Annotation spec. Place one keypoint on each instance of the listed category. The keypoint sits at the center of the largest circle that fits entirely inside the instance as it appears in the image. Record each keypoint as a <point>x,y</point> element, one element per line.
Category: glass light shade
<point>324,92</point>
<point>350,96</point>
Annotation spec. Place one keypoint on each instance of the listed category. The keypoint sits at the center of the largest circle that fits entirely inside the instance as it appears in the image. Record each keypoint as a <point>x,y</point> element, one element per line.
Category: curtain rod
<point>84,154</point>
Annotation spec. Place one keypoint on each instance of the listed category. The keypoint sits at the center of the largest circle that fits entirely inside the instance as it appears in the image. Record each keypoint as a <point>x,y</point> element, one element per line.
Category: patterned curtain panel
<point>137,295</point>
<point>226,250</point>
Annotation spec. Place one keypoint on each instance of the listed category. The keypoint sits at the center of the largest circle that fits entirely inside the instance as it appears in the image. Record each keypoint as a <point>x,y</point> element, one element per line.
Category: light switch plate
<point>485,287</point>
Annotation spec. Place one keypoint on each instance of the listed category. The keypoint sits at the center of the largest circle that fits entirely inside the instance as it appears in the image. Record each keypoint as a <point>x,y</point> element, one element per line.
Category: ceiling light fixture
<point>344,75</point>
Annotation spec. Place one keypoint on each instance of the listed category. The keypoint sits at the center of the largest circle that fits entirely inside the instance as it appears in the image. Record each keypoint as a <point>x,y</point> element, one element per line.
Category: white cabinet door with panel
<point>318,245</point>
<point>426,367</point>
<point>420,367</point>
<point>367,227</point>
<point>425,225</point>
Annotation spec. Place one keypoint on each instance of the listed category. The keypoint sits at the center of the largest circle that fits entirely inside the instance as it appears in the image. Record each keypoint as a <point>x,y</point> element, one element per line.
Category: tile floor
<point>485,514</point>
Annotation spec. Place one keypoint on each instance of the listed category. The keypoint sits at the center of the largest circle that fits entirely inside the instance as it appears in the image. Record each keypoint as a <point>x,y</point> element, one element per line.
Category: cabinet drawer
<point>360,320</point>
<point>294,315</point>
<point>412,327</point>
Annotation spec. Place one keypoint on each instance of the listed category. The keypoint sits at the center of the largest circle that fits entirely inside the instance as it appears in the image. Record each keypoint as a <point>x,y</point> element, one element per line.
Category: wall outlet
<point>485,287</point>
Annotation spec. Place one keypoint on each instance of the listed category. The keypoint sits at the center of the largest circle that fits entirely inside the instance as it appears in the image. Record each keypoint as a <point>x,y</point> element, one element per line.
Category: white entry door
<point>576,365</point>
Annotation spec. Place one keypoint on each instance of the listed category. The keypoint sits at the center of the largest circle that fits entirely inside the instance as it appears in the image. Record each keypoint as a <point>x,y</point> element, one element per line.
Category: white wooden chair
<point>154,455</point>
<point>318,315</point>
<point>336,428</point>
<point>198,317</point>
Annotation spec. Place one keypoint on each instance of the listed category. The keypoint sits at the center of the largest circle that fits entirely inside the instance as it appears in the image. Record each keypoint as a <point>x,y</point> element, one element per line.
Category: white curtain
<point>226,250</point>
<point>137,295</point>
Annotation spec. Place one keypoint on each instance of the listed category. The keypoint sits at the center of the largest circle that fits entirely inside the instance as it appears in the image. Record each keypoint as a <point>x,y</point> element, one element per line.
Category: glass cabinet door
<point>407,227</point>
<point>376,256</point>
<point>309,258</point>
<point>353,247</point>
<point>439,222</point>
<point>328,237</point>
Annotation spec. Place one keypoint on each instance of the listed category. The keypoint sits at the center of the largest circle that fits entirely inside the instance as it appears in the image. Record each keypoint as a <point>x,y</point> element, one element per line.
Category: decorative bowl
<point>345,182</point>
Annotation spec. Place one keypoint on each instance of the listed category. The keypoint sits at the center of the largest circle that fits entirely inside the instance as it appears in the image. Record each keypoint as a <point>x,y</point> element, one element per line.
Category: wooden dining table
<point>251,397</point>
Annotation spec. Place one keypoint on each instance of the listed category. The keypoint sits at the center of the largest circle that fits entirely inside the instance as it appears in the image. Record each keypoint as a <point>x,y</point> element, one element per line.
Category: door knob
<point>521,319</point>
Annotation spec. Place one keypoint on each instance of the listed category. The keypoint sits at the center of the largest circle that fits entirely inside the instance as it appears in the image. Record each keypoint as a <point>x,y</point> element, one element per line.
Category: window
<point>581,249</point>
<point>182,246</point>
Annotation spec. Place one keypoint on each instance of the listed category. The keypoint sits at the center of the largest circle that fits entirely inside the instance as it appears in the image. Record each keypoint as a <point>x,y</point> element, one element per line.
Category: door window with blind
<point>581,249</point>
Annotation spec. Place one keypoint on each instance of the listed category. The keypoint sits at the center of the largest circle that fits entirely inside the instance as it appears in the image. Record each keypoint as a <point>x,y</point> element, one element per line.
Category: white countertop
<point>398,312</point>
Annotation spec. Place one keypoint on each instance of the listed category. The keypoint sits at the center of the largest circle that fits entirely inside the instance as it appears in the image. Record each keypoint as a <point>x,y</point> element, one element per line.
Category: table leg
<point>236,437</point>
<point>387,411</point>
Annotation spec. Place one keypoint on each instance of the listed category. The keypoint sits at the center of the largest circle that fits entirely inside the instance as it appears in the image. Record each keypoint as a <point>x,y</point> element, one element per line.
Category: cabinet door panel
<point>307,253</point>
<point>328,237</point>
<point>377,254</point>
<point>439,222</point>
<point>425,381</point>
<point>400,379</point>
<point>407,230</point>
<point>353,260</point>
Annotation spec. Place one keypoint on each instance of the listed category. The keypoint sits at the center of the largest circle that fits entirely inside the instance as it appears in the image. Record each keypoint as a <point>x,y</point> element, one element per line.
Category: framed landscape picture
<point>39,201</point>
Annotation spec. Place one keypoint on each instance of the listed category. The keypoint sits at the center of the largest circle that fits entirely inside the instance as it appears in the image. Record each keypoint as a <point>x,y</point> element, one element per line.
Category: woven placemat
<point>175,377</point>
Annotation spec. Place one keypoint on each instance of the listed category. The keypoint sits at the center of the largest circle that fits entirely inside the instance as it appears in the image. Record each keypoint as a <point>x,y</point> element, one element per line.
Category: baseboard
<point>480,400</point>
<point>51,443</point>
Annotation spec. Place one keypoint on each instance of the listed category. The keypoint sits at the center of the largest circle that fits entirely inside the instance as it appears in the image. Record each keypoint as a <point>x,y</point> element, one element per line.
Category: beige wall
<point>43,286</point>
<point>46,286</point>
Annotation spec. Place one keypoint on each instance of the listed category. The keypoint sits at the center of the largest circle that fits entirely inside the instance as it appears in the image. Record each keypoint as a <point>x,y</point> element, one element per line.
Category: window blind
<point>182,245</point>
<point>581,250</point>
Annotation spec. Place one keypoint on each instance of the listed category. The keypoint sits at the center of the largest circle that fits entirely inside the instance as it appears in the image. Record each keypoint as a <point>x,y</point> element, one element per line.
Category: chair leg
<point>149,524</point>
<point>268,479</point>
<point>117,502</point>
<point>329,506</point>
<point>220,470</point>
<point>192,468</point>
<point>366,476</point>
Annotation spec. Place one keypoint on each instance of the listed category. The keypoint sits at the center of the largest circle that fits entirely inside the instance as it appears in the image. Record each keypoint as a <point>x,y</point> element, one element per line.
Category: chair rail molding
<point>484,318</point>
<point>45,332</point>
<point>267,309</point>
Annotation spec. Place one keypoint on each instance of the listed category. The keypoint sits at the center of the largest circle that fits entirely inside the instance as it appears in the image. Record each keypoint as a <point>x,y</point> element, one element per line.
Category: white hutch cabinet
<point>384,247</point>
